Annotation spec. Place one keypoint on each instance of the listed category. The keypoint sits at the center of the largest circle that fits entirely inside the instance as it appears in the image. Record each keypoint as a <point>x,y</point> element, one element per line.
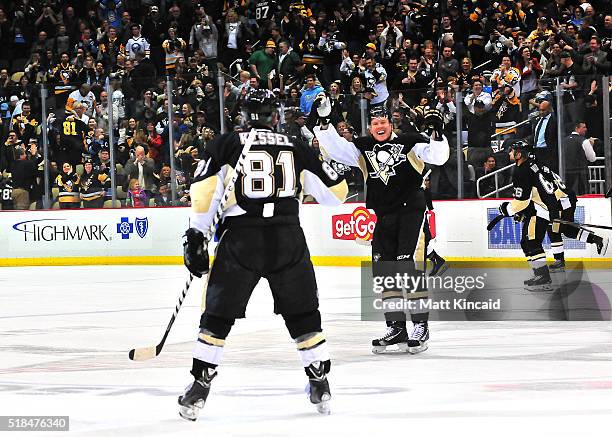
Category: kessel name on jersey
<point>266,137</point>
<point>383,159</point>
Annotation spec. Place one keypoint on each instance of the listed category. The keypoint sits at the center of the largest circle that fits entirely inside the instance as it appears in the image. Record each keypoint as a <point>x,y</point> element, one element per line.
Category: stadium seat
<point>151,202</point>
<point>80,169</point>
<point>109,204</point>
<point>120,193</point>
<point>33,206</point>
<point>54,193</point>
<point>55,205</point>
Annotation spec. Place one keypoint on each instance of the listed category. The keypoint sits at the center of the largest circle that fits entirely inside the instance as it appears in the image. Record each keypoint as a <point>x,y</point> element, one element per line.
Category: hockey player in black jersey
<point>393,167</point>
<point>260,236</point>
<point>567,208</point>
<point>540,196</point>
<point>535,202</point>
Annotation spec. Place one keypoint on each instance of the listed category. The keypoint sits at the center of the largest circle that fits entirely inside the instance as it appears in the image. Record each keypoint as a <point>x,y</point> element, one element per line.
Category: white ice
<point>65,333</point>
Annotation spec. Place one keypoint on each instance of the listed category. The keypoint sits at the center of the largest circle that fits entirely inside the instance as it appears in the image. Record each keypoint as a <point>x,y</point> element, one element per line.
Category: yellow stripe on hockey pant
<point>417,295</point>
<point>419,252</point>
<point>212,340</point>
<point>312,341</point>
<point>205,285</point>
<point>390,294</point>
<point>531,227</point>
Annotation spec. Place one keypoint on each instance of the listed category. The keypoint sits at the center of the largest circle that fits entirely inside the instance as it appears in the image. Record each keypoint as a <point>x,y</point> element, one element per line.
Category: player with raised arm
<point>393,167</point>
<point>260,236</point>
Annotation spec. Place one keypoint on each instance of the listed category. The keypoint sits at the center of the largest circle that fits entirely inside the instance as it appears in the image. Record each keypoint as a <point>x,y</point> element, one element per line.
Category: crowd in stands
<point>97,58</point>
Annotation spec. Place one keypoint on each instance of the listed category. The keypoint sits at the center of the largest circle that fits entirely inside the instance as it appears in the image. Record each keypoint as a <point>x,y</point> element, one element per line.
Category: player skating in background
<point>534,203</point>
<point>540,197</point>
<point>260,237</point>
<point>393,167</point>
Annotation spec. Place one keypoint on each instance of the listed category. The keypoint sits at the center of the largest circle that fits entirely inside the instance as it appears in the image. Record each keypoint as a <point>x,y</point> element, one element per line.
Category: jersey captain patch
<point>383,159</point>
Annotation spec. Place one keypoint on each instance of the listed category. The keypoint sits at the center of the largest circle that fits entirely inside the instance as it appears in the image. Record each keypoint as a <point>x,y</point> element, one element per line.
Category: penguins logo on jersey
<point>339,167</point>
<point>383,159</point>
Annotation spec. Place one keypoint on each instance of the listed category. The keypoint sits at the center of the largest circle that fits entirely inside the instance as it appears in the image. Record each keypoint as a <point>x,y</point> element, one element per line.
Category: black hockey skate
<point>318,387</point>
<point>439,265</point>
<point>396,335</point>
<point>192,401</point>
<point>540,282</point>
<point>602,245</point>
<point>557,267</point>
<point>417,342</point>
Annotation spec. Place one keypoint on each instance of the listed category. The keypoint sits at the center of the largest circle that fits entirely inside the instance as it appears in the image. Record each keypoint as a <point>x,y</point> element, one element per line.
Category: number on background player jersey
<point>262,177</point>
<point>264,10</point>
<point>6,194</point>
<point>70,128</point>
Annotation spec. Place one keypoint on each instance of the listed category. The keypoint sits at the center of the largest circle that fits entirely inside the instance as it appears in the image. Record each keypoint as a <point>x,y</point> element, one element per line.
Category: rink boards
<point>154,235</point>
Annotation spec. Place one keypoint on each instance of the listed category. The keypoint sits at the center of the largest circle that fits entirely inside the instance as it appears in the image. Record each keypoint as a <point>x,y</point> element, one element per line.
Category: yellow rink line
<point>331,261</point>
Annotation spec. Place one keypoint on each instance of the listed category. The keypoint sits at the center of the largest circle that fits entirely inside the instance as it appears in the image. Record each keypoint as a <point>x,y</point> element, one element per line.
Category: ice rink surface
<point>65,333</point>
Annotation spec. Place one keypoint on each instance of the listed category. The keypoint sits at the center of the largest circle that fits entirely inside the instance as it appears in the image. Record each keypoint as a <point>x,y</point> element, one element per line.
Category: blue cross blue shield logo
<point>125,228</point>
<point>142,226</point>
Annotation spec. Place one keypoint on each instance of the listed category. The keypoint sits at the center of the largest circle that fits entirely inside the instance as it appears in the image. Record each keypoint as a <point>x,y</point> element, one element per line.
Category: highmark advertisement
<point>64,234</point>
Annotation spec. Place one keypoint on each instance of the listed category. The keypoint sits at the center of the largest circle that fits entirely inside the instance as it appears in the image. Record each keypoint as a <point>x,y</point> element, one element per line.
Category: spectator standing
<point>530,71</point>
<point>204,35</point>
<point>235,33</point>
<point>577,153</point>
<point>476,94</point>
<point>480,125</point>
<point>545,132</point>
<point>331,45</point>
<point>137,44</point>
<point>154,29</point>
<point>309,93</point>
<point>263,62</point>
<point>173,47</point>
<point>141,169</point>
<point>571,86</point>
<point>376,78</point>
<point>85,97</point>
<point>290,64</point>
<point>23,174</point>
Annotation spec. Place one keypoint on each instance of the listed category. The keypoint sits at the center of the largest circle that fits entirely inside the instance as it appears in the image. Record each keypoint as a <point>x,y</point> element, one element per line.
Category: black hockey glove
<point>434,122</point>
<point>195,253</point>
<point>503,209</point>
<point>322,104</point>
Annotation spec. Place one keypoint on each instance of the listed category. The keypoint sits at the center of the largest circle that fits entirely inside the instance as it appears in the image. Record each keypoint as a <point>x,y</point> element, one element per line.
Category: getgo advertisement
<point>359,224</point>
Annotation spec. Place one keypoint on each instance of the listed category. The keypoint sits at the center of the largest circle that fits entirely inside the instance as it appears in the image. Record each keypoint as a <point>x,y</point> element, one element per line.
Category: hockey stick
<point>582,225</point>
<point>146,353</point>
<point>495,221</point>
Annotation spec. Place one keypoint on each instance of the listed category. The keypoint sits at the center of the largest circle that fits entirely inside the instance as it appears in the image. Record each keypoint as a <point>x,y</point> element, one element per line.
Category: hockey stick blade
<point>495,221</point>
<point>146,353</point>
<point>143,353</point>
